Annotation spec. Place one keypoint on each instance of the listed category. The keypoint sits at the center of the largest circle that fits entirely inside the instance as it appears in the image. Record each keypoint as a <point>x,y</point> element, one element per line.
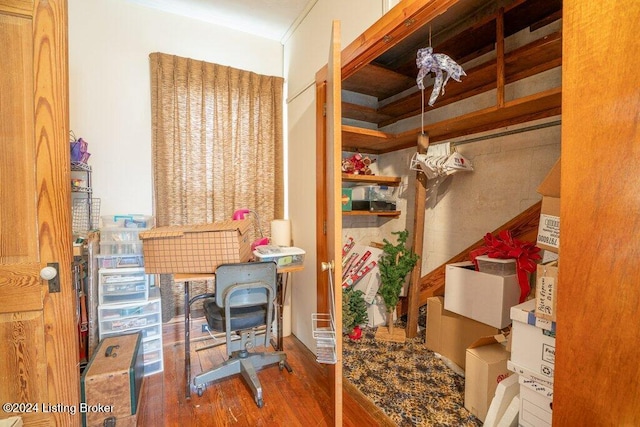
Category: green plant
<point>354,309</point>
<point>395,263</point>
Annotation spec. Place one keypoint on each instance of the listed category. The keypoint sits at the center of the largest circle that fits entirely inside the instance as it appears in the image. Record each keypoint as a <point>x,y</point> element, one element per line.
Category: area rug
<point>407,381</point>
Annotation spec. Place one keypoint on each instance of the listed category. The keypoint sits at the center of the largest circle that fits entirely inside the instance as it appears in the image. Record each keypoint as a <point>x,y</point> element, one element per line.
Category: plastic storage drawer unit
<point>117,285</point>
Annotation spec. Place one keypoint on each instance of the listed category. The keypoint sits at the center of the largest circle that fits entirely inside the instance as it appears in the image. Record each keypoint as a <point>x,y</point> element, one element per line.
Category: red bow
<point>504,246</point>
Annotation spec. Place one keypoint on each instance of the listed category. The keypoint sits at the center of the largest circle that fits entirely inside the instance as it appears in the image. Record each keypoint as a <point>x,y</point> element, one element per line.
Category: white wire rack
<point>324,329</point>
<point>85,214</point>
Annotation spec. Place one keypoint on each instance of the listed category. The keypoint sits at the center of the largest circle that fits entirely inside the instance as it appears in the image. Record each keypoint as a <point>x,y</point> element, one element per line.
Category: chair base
<point>245,363</point>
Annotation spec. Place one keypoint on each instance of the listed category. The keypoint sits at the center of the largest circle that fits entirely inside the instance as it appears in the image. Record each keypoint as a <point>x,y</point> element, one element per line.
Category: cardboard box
<point>113,378</point>
<point>484,297</point>
<point>549,227</point>
<point>486,366</point>
<point>535,408</point>
<point>546,291</point>
<point>533,346</point>
<point>195,248</point>
<point>449,334</point>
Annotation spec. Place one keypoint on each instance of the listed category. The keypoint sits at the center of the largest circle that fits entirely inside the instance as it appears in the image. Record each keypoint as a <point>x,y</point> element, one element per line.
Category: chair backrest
<point>230,275</point>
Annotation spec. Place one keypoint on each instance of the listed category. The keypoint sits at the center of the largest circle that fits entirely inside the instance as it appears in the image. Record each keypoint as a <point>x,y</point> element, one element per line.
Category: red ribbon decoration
<point>504,246</point>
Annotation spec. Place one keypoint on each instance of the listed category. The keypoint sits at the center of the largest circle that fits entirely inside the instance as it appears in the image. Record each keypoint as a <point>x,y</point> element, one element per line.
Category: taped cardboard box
<point>195,248</point>
<point>486,366</point>
<point>449,334</point>
<point>549,226</point>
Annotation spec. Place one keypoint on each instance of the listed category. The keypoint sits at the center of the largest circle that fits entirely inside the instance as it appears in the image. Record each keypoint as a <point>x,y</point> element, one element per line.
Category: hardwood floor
<point>300,398</point>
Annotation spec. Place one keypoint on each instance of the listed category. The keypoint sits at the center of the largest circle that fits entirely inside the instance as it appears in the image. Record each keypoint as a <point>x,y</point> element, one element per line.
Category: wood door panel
<point>18,230</point>
<point>23,338</point>
<point>38,328</point>
<point>598,358</point>
<point>17,7</point>
<point>21,289</point>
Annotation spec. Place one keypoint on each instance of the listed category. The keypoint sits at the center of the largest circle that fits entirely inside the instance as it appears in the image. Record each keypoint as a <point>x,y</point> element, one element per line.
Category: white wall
<point>109,85</point>
<point>305,53</point>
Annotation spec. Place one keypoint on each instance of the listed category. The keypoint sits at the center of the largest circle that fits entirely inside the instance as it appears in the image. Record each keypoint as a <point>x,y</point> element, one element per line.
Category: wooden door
<point>38,328</point>
<point>597,370</point>
<point>329,212</point>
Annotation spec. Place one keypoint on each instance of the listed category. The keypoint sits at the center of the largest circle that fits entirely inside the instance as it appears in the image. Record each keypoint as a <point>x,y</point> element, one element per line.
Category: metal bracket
<point>54,283</point>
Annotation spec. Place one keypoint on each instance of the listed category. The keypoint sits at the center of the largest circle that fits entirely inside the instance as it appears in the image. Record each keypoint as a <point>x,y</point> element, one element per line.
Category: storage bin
<point>122,285</point>
<point>120,234</point>
<point>497,266</point>
<point>120,248</point>
<point>120,261</point>
<point>373,192</point>
<point>382,193</point>
<point>281,255</point>
<point>128,221</point>
<point>144,317</point>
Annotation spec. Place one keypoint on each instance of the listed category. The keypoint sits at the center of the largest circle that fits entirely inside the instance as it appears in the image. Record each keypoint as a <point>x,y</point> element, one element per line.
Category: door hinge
<point>324,227</point>
<point>324,110</point>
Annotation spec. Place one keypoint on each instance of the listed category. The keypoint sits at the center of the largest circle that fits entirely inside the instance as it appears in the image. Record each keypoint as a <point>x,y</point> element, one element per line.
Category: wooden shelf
<point>390,214</point>
<point>521,110</point>
<point>538,56</point>
<point>392,181</point>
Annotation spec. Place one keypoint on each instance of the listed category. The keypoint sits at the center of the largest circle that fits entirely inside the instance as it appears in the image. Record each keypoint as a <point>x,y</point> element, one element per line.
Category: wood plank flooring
<point>300,398</point>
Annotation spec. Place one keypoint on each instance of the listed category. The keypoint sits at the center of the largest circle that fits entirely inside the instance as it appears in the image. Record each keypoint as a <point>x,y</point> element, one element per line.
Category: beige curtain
<point>216,142</point>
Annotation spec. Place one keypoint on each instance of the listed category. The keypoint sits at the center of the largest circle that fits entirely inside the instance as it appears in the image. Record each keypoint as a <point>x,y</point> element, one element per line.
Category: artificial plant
<point>395,263</point>
<point>354,309</point>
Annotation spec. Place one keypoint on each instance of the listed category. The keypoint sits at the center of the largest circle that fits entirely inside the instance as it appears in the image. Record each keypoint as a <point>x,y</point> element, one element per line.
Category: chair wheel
<point>260,403</point>
<point>200,390</point>
<point>281,365</point>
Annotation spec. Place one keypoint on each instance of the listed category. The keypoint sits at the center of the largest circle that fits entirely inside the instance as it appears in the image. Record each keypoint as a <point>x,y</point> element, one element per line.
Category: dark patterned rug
<point>407,381</point>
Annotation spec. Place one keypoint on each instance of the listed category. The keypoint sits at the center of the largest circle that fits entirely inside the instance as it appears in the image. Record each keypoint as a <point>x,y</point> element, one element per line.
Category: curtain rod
<point>508,132</point>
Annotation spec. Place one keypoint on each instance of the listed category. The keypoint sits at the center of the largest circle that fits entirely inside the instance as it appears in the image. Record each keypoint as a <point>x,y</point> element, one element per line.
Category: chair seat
<point>241,317</point>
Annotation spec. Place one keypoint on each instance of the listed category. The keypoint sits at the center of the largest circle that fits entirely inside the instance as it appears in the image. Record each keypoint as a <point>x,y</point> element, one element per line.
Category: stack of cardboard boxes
<point>465,327</point>
<point>534,322</point>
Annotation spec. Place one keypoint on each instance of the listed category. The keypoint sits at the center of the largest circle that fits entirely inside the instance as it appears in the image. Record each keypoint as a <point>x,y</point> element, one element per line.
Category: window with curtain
<point>216,145</point>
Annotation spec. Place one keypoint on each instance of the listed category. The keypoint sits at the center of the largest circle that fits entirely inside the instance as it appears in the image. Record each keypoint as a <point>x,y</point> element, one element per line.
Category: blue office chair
<point>244,301</point>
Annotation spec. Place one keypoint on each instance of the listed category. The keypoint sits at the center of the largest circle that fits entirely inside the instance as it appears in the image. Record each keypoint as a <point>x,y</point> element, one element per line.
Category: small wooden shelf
<point>521,110</point>
<point>392,181</point>
<point>390,214</point>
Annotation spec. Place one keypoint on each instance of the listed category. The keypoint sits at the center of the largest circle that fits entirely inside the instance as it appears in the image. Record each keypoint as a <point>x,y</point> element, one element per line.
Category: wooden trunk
<point>111,382</point>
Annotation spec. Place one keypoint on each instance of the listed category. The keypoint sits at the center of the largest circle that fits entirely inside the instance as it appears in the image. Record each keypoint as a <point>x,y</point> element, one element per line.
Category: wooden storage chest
<point>110,384</point>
